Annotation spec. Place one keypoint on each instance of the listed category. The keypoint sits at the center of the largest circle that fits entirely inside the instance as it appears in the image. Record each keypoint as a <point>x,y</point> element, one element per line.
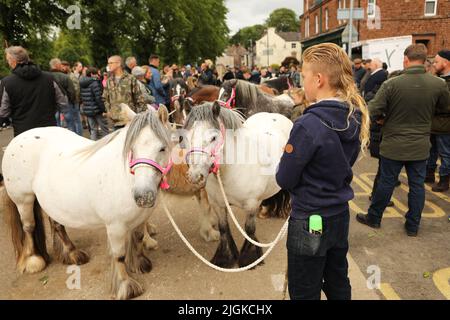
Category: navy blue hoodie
<point>316,167</point>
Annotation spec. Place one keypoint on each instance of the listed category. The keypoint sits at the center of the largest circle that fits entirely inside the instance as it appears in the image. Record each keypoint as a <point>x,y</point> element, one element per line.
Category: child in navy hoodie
<point>316,169</point>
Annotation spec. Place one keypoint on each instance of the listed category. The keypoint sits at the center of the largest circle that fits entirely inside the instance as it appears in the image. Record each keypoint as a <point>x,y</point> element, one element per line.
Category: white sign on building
<point>389,50</point>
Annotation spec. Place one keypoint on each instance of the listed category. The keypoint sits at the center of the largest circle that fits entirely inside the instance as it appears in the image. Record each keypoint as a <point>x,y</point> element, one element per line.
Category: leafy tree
<point>29,24</point>
<point>73,46</point>
<point>178,30</point>
<point>284,20</point>
<point>248,35</point>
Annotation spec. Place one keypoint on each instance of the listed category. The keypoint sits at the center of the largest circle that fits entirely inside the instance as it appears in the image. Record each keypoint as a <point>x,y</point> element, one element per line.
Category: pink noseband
<point>215,153</point>
<point>164,171</point>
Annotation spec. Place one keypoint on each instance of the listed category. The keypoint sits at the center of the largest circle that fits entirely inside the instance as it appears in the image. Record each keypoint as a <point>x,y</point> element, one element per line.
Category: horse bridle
<point>231,102</point>
<point>213,154</point>
<point>149,162</point>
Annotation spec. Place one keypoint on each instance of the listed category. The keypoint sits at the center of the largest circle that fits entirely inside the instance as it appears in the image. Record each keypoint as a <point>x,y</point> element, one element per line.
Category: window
<point>430,7</point>
<point>307,27</point>
<point>306,5</point>
<point>371,6</point>
<point>294,46</point>
<point>340,7</point>
<point>326,19</point>
<point>317,23</point>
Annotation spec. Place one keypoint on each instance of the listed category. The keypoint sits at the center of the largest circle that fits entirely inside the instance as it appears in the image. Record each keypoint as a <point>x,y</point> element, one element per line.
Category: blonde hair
<point>330,59</point>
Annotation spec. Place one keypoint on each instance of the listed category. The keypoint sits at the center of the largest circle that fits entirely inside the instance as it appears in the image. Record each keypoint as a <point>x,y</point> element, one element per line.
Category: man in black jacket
<point>29,96</point>
<point>93,107</point>
<point>376,79</point>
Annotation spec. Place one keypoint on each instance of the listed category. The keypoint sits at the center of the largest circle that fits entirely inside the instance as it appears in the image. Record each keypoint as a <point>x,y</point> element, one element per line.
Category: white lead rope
<point>233,217</point>
<point>208,263</point>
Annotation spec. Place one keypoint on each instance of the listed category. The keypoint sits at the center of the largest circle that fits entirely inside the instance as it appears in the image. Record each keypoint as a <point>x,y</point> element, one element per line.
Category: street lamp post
<point>350,29</point>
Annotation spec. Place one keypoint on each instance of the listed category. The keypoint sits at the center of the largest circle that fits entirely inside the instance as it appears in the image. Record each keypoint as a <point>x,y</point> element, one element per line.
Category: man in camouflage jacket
<point>121,87</point>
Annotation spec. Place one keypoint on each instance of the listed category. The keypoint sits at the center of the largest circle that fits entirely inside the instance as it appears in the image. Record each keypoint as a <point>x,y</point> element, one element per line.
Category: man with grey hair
<point>376,79</point>
<point>139,74</point>
<point>28,96</point>
<point>130,63</point>
<point>66,85</point>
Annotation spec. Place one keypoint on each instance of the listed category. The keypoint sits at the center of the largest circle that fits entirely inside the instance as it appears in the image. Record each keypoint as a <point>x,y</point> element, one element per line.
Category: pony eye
<point>213,139</point>
<point>163,149</point>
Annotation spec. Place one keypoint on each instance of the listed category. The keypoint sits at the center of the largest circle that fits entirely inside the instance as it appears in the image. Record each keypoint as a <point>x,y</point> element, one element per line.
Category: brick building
<point>424,21</point>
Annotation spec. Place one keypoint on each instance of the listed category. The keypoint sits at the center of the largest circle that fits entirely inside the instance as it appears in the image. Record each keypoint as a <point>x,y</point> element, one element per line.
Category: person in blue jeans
<point>440,129</point>
<point>405,106</point>
<point>316,169</point>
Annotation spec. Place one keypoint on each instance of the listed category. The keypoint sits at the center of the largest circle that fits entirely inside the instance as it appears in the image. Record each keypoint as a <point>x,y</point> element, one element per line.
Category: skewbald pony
<point>330,59</point>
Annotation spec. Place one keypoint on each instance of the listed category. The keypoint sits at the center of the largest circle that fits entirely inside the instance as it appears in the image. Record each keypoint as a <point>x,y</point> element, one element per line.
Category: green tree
<point>284,20</point>
<point>30,24</point>
<point>248,35</point>
<point>73,46</point>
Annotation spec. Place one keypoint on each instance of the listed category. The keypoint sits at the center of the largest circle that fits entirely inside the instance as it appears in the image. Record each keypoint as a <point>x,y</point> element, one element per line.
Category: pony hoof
<point>78,257</point>
<point>210,235</point>
<point>150,243</point>
<point>33,264</point>
<point>151,229</point>
<point>224,261</point>
<point>249,254</point>
<point>129,289</point>
<point>145,265</point>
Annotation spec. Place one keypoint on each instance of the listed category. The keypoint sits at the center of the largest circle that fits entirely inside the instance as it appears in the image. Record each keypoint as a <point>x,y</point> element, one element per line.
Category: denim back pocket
<point>301,242</point>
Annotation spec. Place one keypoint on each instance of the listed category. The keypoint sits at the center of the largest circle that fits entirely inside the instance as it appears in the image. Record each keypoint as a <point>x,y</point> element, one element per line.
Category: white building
<point>234,56</point>
<point>274,47</point>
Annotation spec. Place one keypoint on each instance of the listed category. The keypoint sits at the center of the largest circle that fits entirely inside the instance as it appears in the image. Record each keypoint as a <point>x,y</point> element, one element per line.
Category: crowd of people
<point>94,95</point>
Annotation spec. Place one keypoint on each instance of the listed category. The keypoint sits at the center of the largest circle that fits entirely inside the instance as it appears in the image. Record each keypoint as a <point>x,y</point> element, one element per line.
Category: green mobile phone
<point>315,224</point>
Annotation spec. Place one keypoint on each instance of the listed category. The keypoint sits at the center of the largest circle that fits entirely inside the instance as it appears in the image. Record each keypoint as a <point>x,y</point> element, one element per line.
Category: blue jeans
<point>440,146</point>
<point>389,172</point>
<point>326,268</point>
<point>97,122</point>
<point>67,121</point>
<point>76,116</point>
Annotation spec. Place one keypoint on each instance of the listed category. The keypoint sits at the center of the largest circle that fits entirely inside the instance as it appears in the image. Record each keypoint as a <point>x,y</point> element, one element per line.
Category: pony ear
<point>216,109</point>
<point>125,109</point>
<point>163,114</point>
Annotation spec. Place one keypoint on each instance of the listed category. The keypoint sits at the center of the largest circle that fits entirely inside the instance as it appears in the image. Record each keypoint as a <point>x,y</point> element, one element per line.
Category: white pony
<point>85,185</point>
<point>247,181</point>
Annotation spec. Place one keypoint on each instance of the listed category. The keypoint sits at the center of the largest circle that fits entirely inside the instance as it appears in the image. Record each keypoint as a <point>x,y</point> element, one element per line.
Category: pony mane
<point>247,95</point>
<point>204,112</point>
<point>139,122</point>
<point>97,145</point>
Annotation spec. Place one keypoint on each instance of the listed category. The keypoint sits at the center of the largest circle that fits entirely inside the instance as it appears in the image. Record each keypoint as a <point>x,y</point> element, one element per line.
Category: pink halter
<point>229,103</point>
<point>214,153</point>
<point>175,98</point>
<point>164,171</point>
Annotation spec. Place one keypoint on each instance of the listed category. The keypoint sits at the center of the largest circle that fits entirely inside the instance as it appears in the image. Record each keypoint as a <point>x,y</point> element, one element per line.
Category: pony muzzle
<point>145,198</point>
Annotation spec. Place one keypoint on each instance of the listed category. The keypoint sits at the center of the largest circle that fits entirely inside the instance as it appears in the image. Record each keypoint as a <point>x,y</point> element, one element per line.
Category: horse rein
<point>148,162</point>
<point>214,154</point>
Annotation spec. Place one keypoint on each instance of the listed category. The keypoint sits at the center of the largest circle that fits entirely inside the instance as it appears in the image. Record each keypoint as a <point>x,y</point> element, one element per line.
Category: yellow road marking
<point>389,213</point>
<point>441,280</point>
<point>389,292</point>
<point>436,212</point>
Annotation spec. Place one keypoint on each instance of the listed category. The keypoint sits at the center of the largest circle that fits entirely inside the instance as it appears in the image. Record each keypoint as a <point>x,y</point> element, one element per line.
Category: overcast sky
<point>244,13</point>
